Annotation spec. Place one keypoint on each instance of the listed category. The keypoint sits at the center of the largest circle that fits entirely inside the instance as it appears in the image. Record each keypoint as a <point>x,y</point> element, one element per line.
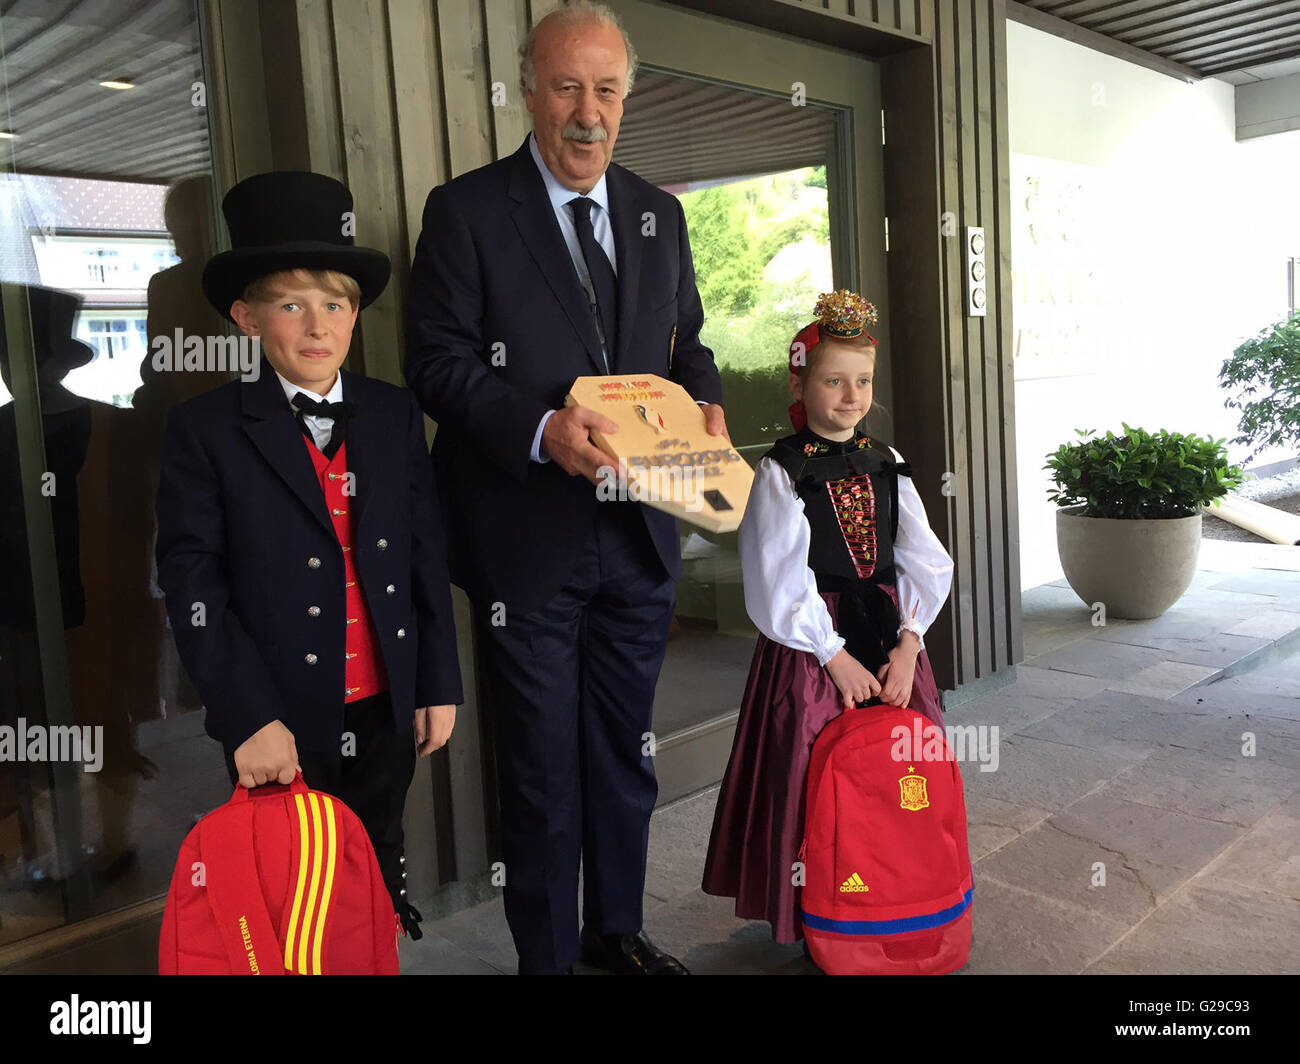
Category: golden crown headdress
<point>845,314</point>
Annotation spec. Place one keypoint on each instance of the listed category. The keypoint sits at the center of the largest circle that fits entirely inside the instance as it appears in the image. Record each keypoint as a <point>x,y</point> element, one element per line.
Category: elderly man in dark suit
<point>545,266</point>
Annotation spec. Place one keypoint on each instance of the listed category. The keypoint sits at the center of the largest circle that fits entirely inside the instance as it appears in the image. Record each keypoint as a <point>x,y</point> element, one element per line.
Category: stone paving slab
<point>1007,708</point>
<point>1209,929</point>
<point>1266,858</point>
<point>1127,726</point>
<point>1205,785</point>
<point>1275,582</point>
<point>1146,853</point>
<point>991,823</point>
<point>1053,617</point>
<point>1208,646</point>
<point>435,955</point>
<point>679,841</point>
<point>1228,603</point>
<point>1044,775</point>
<point>1270,624</point>
<point>1165,679</point>
<point>705,934</point>
<point>1095,657</point>
<point>1022,932</point>
<point>1045,683</point>
<point>1180,622</point>
<point>1276,739</point>
<point>482,932</point>
<point>1254,693</point>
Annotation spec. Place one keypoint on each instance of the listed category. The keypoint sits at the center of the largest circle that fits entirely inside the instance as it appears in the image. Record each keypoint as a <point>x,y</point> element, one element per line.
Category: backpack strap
<point>234,886</point>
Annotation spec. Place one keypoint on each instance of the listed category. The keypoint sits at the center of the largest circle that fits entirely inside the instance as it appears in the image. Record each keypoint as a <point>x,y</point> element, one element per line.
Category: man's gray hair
<point>575,11</point>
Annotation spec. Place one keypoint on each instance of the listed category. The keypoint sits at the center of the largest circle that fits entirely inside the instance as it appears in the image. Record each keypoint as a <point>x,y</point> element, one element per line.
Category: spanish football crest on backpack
<point>278,881</point>
<point>887,884</point>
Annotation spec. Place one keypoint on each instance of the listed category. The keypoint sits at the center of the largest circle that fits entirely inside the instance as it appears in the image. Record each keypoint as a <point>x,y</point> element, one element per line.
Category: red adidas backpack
<point>887,872</point>
<point>278,881</point>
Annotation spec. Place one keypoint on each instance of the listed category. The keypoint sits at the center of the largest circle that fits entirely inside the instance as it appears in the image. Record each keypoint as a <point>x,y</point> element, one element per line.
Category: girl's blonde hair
<point>265,288</point>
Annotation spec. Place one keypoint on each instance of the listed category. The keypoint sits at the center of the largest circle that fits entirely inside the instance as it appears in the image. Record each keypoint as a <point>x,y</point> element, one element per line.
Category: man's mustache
<point>583,135</point>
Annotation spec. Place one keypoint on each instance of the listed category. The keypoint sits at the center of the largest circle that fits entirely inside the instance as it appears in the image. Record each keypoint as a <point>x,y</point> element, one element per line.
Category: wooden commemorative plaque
<point>662,452</point>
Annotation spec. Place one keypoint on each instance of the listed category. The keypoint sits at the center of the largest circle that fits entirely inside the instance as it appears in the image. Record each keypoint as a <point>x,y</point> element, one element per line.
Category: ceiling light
<point>119,84</point>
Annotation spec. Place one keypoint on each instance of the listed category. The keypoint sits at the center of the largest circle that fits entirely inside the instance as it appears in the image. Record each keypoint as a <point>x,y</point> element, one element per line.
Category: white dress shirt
<point>321,428</point>
<point>781,591</point>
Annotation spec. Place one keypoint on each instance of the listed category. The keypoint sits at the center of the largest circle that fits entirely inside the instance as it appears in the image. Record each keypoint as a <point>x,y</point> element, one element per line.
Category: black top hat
<point>289,220</point>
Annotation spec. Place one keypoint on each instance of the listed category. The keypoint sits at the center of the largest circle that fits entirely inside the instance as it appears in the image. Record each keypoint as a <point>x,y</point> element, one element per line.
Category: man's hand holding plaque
<point>666,450</point>
<point>566,440</point>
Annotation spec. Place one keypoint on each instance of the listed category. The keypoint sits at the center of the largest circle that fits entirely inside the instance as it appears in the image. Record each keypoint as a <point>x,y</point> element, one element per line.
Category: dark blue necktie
<point>602,277</point>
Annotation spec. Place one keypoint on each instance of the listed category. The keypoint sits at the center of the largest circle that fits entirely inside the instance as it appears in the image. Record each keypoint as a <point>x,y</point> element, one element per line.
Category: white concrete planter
<point>1138,568</point>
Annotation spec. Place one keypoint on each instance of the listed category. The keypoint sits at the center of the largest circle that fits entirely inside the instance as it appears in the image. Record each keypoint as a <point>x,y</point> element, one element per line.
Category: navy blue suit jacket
<point>240,516</point>
<point>493,277</point>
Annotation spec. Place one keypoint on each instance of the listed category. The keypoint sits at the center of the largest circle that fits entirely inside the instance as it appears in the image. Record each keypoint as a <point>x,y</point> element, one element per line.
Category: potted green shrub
<point>1128,530</point>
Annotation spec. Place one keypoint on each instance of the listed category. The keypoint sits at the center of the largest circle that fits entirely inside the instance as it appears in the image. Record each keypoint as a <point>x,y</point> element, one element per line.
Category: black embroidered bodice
<point>850,496</point>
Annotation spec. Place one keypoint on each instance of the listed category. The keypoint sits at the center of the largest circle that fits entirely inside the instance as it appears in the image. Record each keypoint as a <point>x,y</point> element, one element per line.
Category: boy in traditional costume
<point>299,544</point>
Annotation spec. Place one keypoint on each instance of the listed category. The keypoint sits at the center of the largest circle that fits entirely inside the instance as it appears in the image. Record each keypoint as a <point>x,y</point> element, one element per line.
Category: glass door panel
<point>780,183</point>
<point>106,218</point>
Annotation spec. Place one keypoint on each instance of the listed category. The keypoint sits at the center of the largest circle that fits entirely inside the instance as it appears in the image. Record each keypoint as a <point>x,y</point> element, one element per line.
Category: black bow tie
<point>339,412</point>
<point>319,408</point>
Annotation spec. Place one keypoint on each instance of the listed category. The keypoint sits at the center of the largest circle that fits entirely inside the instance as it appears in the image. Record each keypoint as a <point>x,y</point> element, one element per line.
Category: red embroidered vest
<point>364,673</point>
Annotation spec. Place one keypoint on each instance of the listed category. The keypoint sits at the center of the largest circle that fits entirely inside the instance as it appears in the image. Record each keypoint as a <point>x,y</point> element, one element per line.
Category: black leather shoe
<point>628,955</point>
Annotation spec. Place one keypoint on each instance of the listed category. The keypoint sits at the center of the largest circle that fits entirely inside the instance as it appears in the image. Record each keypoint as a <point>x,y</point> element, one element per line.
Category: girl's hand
<point>897,674</point>
<point>854,682</point>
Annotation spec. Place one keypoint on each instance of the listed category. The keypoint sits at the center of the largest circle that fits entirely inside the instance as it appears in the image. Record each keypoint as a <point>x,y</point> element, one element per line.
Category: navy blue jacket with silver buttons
<point>253,571</point>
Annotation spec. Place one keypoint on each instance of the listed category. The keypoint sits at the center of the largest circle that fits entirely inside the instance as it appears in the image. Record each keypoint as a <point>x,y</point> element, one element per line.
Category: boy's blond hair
<point>264,288</point>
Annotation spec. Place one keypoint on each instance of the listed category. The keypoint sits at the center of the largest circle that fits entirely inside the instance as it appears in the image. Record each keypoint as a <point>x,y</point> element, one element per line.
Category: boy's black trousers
<point>371,776</point>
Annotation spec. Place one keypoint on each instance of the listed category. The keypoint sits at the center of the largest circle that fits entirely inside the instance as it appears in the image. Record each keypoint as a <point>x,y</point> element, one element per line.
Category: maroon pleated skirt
<point>758,823</point>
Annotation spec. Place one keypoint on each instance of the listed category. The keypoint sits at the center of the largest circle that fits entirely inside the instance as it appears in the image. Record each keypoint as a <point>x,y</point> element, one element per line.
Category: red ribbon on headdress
<point>807,338</point>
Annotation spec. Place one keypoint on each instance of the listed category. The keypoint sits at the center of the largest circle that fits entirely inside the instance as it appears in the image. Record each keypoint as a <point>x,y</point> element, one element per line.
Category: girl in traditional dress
<point>842,577</point>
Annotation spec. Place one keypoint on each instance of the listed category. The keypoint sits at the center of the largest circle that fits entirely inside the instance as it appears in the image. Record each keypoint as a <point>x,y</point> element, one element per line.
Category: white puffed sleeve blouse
<point>781,591</point>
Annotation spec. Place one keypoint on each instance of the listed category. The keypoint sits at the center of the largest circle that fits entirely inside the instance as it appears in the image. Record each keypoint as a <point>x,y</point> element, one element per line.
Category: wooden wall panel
<point>510,119</point>
<point>371,170</point>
